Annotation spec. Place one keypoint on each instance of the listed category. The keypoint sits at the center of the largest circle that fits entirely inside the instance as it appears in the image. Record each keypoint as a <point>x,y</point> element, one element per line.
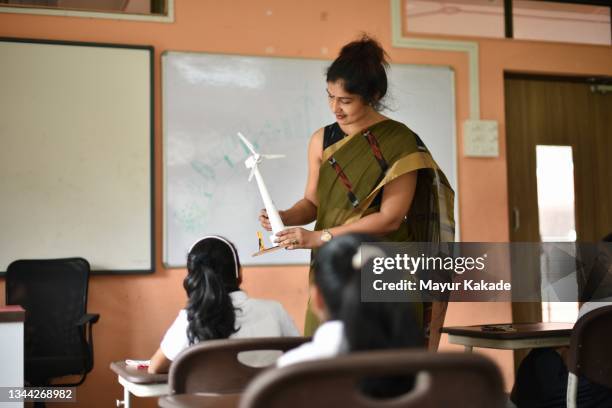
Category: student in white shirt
<point>216,307</point>
<point>352,325</point>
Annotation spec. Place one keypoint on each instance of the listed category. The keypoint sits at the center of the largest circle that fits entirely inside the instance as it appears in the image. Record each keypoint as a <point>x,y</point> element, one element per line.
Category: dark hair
<point>368,325</point>
<point>212,273</point>
<point>361,66</point>
<point>333,269</point>
<point>379,325</point>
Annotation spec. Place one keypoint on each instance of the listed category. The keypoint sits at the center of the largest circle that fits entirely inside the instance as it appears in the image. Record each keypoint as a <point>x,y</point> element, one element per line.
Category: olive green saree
<point>354,172</point>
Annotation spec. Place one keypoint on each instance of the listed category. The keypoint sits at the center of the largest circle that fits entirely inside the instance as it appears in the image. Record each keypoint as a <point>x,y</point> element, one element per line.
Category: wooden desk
<point>200,400</point>
<point>138,382</point>
<point>525,335</point>
<point>11,349</point>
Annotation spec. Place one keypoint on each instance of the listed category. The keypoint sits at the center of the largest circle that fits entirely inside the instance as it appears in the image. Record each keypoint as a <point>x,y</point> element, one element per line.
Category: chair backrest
<point>215,365</point>
<point>590,354</point>
<point>53,293</point>
<point>440,380</point>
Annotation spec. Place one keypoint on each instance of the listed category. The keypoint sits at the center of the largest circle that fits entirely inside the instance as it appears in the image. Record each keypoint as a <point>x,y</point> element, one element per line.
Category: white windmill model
<point>251,163</point>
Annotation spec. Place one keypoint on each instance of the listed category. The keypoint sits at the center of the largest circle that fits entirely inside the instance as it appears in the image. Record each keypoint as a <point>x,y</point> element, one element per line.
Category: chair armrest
<point>88,318</point>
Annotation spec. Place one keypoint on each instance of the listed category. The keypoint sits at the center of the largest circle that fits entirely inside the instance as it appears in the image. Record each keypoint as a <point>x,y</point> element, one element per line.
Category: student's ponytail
<point>212,274</point>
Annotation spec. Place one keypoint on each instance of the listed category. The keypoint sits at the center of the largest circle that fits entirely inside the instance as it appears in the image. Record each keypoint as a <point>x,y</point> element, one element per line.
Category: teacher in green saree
<point>368,173</point>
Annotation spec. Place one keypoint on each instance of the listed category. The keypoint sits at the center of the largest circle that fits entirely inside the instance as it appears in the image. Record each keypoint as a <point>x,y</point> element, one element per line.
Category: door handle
<point>516,215</point>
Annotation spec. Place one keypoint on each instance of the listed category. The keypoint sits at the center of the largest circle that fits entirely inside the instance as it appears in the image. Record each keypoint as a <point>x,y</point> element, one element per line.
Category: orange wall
<point>137,309</point>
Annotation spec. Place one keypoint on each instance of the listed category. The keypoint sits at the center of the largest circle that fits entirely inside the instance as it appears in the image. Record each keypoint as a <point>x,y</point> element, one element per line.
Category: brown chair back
<point>213,366</point>
<point>590,353</point>
<point>441,379</point>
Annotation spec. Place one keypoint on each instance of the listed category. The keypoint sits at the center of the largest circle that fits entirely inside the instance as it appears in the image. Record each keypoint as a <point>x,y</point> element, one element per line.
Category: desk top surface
<point>11,313</point>
<point>137,375</point>
<point>516,331</point>
<point>199,400</point>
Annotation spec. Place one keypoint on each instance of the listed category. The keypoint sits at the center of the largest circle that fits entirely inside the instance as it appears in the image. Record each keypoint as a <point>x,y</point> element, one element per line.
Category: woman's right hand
<point>264,220</point>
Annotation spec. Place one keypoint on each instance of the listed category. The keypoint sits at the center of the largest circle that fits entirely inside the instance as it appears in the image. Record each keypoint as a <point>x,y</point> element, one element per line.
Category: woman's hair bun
<point>361,66</point>
<point>366,48</point>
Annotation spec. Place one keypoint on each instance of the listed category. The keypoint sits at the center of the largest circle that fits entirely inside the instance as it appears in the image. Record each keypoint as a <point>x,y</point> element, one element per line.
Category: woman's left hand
<point>298,238</point>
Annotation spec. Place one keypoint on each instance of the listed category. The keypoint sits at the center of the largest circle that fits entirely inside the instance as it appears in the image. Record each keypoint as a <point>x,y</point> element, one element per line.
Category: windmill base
<point>268,250</point>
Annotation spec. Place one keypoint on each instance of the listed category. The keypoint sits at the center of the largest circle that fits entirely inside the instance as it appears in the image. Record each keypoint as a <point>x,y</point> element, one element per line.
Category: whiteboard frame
<point>151,166</point>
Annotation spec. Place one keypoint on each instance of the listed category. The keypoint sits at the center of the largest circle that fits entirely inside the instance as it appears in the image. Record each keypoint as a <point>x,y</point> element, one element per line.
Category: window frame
<point>48,11</point>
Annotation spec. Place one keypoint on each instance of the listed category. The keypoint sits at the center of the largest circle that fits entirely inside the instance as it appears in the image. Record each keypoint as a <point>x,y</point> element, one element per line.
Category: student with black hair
<point>542,377</point>
<point>216,307</point>
<point>367,173</point>
<point>349,324</point>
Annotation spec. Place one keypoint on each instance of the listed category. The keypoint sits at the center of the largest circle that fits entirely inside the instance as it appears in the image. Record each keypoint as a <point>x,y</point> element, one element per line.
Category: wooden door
<point>557,111</point>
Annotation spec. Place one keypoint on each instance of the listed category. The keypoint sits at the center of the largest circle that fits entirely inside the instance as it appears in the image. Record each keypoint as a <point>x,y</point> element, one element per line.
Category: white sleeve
<point>287,326</point>
<point>175,339</point>
<point>327,342</point>
<point>304,352</point>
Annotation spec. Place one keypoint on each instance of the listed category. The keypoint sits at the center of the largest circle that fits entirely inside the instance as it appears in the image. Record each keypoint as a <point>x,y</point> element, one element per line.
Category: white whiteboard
<point>75,155</point>
<point>277,103</point>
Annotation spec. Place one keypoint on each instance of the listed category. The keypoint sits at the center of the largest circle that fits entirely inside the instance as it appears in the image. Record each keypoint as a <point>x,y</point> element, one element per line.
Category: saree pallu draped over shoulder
<point>353,174</point>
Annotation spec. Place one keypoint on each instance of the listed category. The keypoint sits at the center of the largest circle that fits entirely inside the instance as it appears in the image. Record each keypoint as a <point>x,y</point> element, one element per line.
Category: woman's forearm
<point>301,213</point>
<point>396,201</point>
<point>374,224</point>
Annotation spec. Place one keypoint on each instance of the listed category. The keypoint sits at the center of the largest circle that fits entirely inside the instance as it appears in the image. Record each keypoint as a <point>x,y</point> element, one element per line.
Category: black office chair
<point>58,329</point>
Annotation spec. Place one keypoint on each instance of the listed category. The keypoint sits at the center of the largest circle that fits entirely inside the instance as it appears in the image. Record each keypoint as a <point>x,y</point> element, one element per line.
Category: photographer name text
<point>429,285</point>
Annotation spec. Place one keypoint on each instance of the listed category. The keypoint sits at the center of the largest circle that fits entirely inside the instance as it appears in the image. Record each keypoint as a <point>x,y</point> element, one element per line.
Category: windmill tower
<point>252,163</point>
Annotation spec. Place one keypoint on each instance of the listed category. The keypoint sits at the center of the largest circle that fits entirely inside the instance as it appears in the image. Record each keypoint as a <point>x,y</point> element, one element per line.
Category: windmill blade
<point>272,156</point>
<point>247,143</point>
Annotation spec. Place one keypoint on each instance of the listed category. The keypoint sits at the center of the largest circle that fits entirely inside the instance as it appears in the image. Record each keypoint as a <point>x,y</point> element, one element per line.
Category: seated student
<point>216,307</point>
<point>351,325</point>
<point>597,287</point>
<point>541,380</point>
